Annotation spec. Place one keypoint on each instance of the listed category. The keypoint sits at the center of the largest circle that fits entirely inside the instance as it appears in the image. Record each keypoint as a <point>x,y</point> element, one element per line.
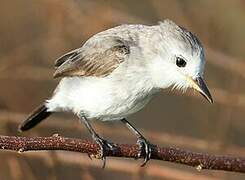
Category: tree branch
<point>176,155</point>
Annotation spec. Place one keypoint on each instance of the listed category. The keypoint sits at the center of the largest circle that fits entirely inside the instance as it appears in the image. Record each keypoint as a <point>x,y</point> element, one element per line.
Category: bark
<point>175,155</point>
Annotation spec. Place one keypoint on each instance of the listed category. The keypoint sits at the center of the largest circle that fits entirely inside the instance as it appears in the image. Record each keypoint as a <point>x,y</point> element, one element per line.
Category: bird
<point>116,72</point>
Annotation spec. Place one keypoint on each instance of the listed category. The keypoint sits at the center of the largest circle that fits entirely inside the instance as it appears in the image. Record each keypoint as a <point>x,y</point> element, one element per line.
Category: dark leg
<point>105,146</point>
<point>145,146</point>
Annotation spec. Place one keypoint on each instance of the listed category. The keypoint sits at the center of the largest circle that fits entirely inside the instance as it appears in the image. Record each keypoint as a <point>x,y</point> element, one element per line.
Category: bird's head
<point>180,60</point>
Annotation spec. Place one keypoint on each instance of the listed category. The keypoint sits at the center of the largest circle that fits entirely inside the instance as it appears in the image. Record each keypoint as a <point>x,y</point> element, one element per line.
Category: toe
<point>145,150</point>
<point>105,147</point>
<point>103,162</point>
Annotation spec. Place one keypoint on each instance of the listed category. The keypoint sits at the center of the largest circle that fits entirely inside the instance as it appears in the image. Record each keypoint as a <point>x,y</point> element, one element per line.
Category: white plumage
<point>149,67</point>
<point>117,71</point>
<point>108,98</point>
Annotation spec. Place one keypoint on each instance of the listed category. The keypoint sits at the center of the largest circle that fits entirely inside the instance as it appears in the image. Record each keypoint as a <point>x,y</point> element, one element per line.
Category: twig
<point>13,119</point>
<point>198,160</point>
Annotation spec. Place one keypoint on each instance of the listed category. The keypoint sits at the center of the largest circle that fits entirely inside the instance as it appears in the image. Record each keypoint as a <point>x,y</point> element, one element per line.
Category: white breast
<point>107,98</point>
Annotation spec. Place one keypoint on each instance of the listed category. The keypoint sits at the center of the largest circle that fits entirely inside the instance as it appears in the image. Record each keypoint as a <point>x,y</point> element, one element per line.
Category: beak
<point>199,85</point>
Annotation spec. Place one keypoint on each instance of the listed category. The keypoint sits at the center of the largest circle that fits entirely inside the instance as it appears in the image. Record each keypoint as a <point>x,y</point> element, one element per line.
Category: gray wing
<point>99,56</point>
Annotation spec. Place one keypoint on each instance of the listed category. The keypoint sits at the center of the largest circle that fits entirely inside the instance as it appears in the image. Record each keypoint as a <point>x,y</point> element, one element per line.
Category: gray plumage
<point>116,73</point>
<point>104,52</point>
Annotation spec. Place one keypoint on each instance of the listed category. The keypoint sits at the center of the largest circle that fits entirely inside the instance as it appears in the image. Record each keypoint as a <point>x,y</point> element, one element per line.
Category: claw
<point>145,150</point>
<point>105,147</point>
<point>89,156</point>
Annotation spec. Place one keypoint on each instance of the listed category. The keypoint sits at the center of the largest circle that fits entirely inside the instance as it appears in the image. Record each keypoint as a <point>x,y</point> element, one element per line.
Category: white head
<point>180,60</point>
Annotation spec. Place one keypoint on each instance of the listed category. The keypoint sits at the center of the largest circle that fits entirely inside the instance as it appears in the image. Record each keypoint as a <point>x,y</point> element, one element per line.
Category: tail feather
<point>36,117</point>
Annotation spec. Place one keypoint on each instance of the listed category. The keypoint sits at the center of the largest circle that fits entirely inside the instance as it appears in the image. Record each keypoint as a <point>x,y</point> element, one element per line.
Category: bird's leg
<point>145,146</point>
<point>105,146</point>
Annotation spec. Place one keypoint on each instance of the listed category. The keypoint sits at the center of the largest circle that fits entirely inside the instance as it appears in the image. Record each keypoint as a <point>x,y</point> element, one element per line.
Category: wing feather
<point>97,57</point>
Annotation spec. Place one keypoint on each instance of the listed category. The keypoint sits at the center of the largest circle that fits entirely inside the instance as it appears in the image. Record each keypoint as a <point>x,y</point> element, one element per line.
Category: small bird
<point>116,72</point>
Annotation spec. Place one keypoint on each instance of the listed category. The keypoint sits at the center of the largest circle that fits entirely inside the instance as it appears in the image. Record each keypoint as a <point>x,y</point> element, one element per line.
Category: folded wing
<point>99,56</point>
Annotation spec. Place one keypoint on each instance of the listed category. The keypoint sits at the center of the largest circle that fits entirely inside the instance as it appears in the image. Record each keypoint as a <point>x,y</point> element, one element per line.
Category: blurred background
<point>33,33</point>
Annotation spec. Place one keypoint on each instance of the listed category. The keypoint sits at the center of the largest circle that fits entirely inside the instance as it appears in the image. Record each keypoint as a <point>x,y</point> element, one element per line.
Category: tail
<point>36,117</point>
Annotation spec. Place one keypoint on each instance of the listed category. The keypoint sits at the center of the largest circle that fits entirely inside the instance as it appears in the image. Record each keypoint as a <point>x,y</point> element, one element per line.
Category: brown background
<point>33,33</point>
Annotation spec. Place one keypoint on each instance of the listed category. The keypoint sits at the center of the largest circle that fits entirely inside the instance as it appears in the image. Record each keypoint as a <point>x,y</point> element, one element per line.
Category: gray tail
<point>34,118</point>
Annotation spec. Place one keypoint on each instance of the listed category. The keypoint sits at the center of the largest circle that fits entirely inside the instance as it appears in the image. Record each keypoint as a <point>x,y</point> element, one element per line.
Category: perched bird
<point>116,72</point>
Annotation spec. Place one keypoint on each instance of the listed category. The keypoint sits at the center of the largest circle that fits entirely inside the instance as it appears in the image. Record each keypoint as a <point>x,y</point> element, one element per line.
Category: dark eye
<point>180,62</point>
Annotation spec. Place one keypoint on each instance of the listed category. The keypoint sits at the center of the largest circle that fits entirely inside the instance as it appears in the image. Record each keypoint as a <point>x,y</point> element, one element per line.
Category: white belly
<point>99,98</point>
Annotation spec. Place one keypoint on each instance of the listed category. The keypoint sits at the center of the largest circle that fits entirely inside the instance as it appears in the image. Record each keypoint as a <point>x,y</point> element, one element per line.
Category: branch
<point>176,155</point>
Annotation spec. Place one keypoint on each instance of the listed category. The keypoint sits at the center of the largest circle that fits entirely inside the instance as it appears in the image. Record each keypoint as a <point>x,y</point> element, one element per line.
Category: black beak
<point>203,89</point>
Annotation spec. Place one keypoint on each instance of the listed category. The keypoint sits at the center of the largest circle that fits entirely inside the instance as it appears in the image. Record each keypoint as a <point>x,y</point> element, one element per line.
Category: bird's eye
<point>180,62</point>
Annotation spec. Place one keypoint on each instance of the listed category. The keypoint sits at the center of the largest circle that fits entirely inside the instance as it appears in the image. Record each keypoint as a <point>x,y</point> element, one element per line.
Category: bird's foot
<point>105,147</point>
<point>145,150</point>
